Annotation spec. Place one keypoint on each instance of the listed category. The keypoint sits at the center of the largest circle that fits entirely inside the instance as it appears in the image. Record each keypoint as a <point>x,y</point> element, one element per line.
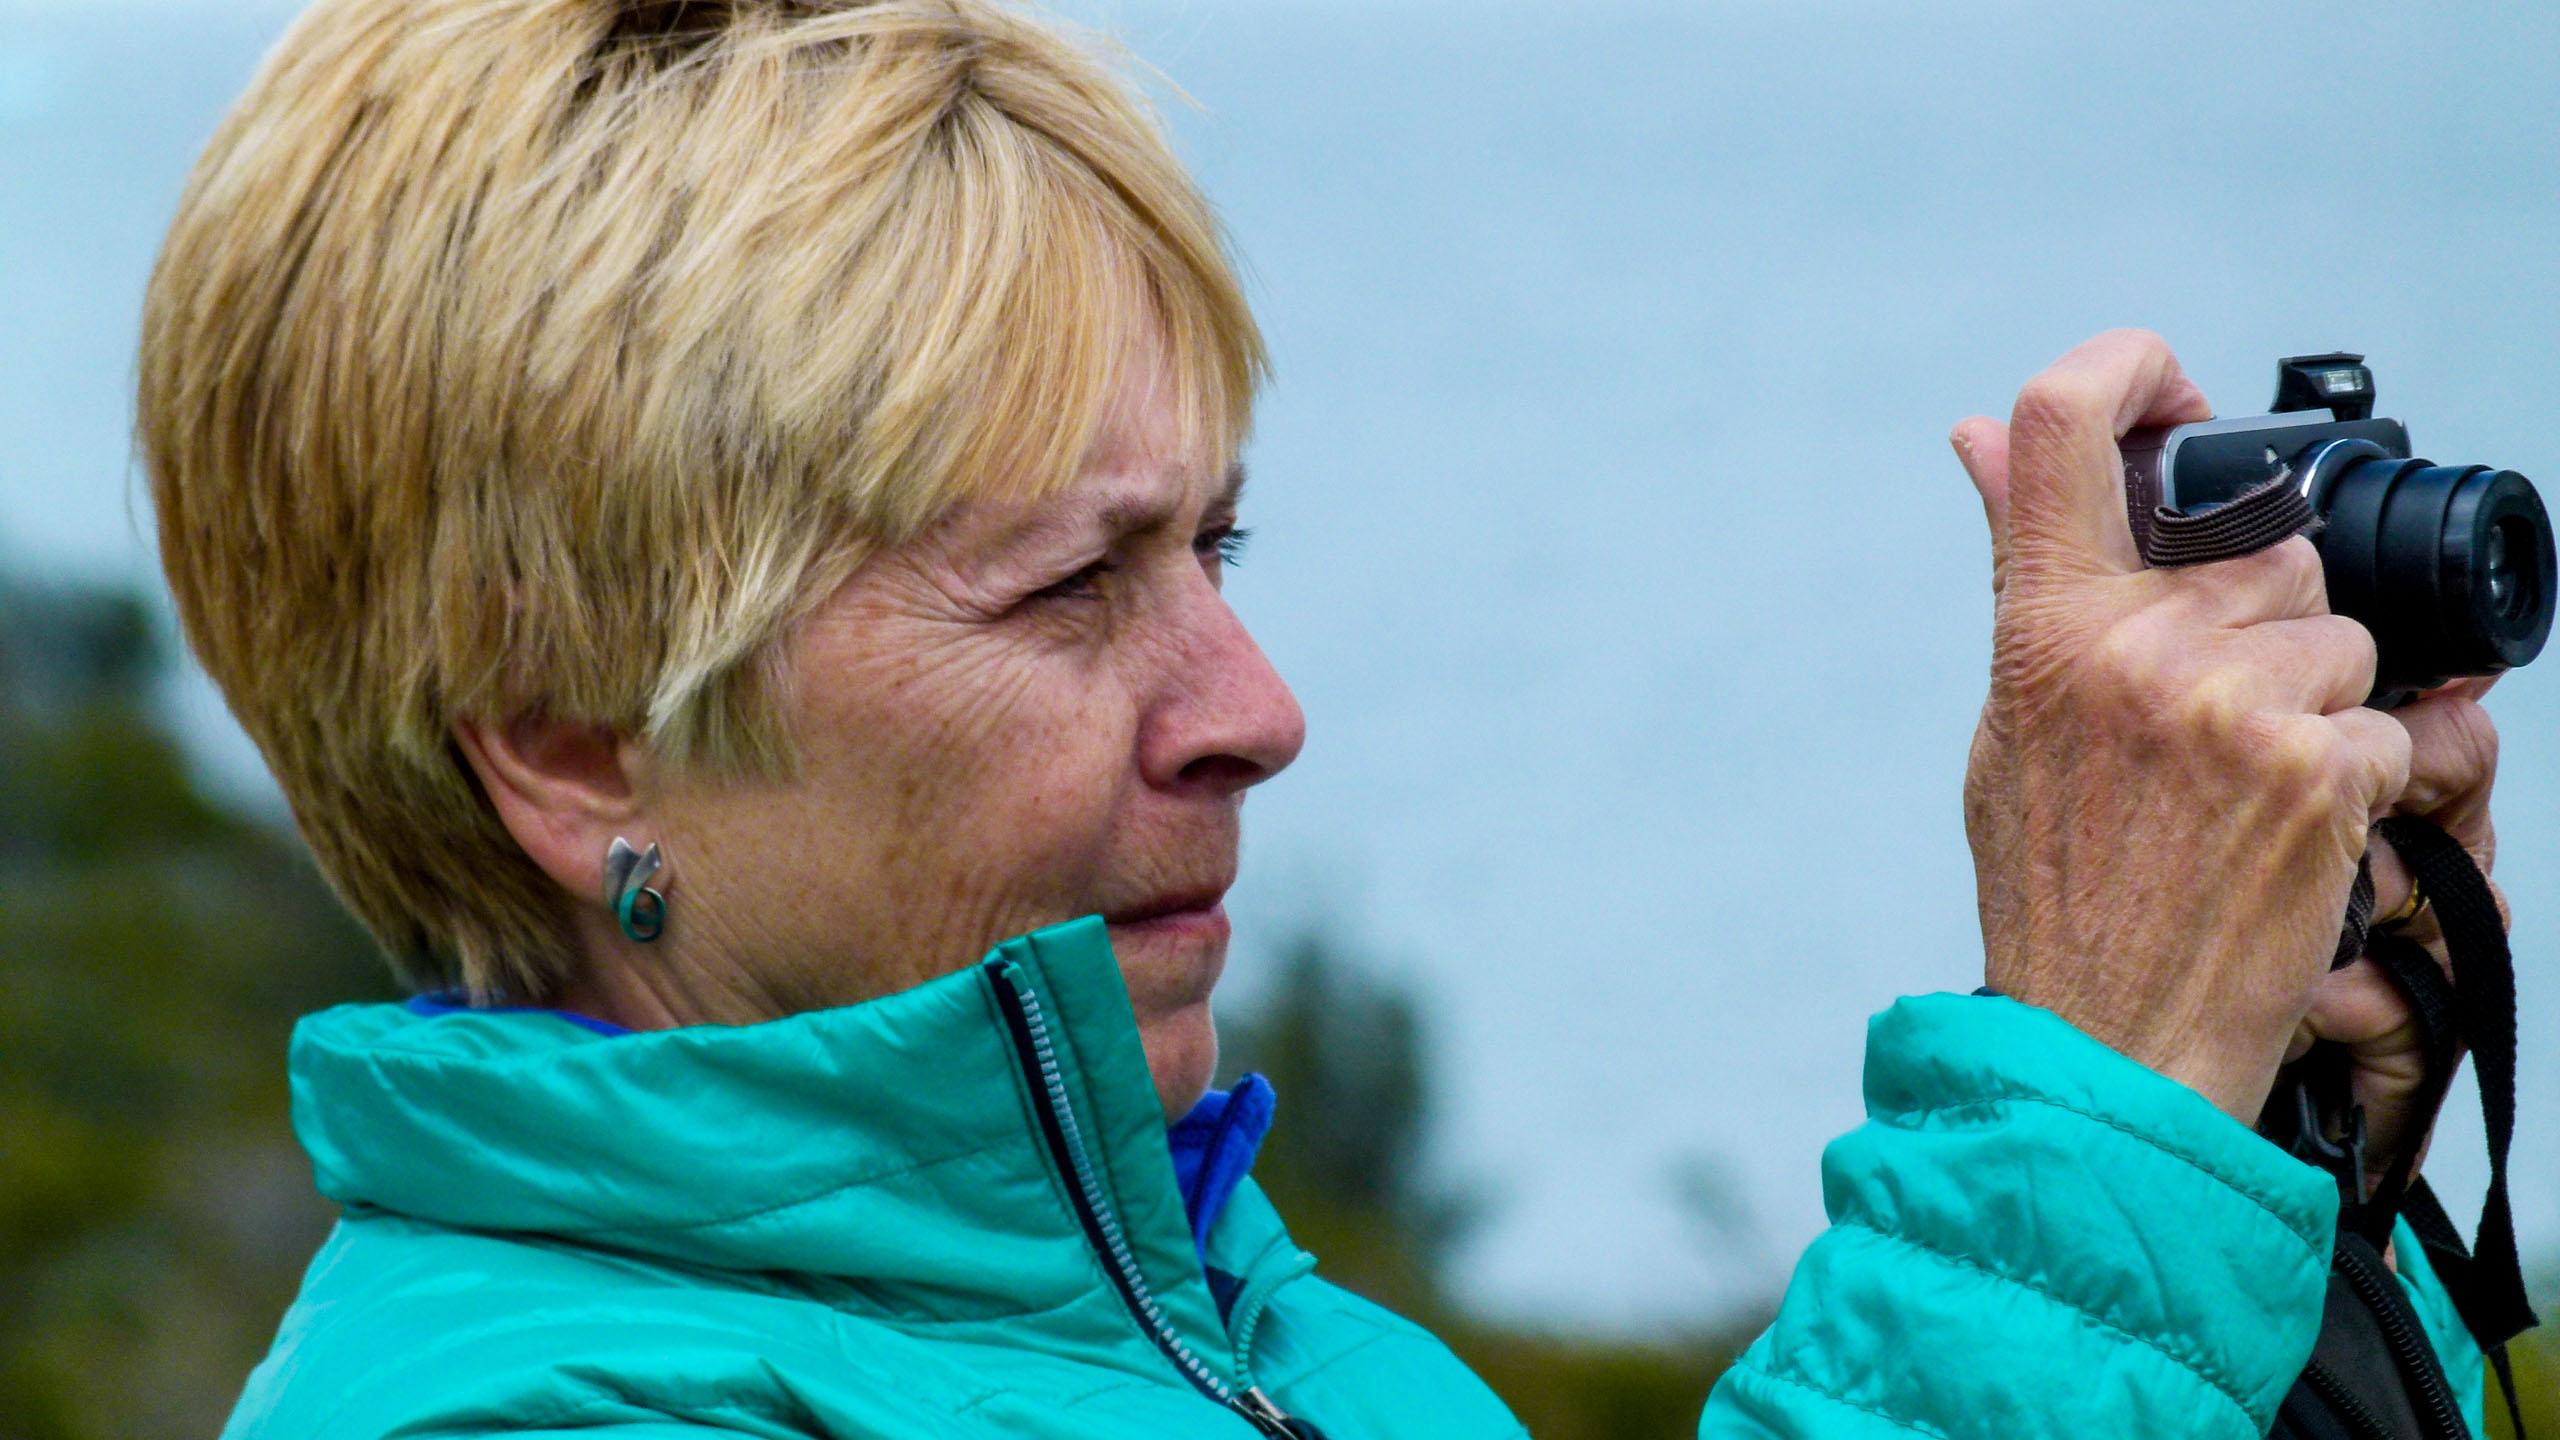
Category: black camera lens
<point>2506,576</point>
<point>2450,566</point>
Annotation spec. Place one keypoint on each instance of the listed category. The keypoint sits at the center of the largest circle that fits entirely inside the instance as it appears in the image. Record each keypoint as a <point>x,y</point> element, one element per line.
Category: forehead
<point>1148,465</point>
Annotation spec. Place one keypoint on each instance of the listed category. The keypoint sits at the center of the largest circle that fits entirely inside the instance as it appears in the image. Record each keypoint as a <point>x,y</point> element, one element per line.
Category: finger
<point>1982,447</point>
<point>2281,582</point>
<point>2361,1010</point>
<point>2359,1007</point>
<point>2453,763</point>
<point>2392,881</point>
<point>2376,758</point>
<point>2469,687</point>
<point>2066,485</point>
<point>2453,760</point>
<point>2311,665</point>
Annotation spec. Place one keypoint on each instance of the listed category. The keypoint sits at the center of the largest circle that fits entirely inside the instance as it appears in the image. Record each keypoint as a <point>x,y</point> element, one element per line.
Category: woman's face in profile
<point>1034,712</point>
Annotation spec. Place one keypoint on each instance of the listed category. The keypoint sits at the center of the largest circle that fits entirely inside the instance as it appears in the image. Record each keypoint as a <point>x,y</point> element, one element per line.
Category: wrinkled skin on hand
<point>2173,776</point>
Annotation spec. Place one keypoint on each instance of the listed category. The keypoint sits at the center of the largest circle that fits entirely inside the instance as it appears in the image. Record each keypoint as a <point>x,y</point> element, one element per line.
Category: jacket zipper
<point>1247,1315</point>
<point>2428,1392</point>
<point>1039,1060</point>
<point>2358,1416</point>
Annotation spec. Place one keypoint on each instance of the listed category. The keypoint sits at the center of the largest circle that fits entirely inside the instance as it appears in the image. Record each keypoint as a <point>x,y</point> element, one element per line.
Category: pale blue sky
<point>1605,521</point>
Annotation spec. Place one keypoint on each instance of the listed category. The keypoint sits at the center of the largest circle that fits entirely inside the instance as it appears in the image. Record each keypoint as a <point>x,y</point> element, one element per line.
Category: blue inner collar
<point>1213,1149</point>
<point>453,1002</point>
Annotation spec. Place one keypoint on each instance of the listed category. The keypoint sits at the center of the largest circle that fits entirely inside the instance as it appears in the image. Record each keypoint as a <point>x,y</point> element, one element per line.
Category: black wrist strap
<point>2452,1261</point>
<point>2490,1294</point>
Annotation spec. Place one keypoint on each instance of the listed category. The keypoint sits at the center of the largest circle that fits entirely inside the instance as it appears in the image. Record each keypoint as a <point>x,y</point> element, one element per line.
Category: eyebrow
<point>1125,513</point>
<point>1230,490</point>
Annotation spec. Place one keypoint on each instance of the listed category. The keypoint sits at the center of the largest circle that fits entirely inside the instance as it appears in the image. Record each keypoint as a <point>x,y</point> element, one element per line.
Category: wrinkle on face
<point>1003,725</point>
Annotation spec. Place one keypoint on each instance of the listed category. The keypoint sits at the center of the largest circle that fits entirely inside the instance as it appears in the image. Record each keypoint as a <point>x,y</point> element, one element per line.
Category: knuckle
<point>2211,706</point>
<point>2305,757</point>
<point>2296,573</point>
<point>2338,771</point>
<point>2060,402</point>
<point>2125,665</point>
<point>2143,677</point>
<point>2346,651</point>
<point>2475,737</point>
<point>2284,577</point>
<point>2357,644</point>
<point>2454,751</point>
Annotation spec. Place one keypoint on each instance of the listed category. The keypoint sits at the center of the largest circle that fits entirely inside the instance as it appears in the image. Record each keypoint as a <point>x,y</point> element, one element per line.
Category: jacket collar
<point>887,1152</point>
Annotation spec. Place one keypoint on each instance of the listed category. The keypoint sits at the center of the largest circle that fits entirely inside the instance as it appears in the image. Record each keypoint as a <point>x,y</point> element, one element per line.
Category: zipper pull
<point>1270,1419</point>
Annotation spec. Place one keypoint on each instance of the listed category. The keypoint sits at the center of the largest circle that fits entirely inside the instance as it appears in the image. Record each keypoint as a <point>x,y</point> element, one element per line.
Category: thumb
<point>2469,687</point>
<point>1982,447</point>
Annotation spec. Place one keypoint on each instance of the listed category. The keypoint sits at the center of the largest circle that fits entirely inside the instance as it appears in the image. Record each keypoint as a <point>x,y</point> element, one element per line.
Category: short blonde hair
<point>553,357</point>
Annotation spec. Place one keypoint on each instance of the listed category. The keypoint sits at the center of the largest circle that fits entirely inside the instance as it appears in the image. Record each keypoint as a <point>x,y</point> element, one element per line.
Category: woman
<point>714,509</point>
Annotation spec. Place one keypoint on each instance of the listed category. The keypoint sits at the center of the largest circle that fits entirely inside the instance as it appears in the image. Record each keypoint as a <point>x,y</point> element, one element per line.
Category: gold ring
<point>2408,910</point>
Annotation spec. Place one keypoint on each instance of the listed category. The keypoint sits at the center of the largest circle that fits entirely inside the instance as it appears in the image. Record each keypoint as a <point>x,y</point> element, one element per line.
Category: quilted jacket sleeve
<point>2034,1236</point>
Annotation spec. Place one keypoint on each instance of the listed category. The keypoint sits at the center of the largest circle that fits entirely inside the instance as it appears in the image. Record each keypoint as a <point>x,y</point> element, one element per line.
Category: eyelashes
<point>1228,544</point>
<point>1225,546</point>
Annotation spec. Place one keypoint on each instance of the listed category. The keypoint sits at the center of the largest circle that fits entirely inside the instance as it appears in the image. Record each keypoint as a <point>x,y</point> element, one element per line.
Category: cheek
<point>989,774</point>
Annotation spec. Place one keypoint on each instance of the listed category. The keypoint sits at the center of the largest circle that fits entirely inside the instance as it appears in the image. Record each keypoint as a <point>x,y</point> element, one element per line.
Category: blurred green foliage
<point>155,1216</point>
<point>154,951</point>
<point>2535,1356</point>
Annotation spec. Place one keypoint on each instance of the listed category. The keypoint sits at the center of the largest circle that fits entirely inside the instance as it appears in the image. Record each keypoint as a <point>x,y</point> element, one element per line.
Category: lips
<point>1174,908</point>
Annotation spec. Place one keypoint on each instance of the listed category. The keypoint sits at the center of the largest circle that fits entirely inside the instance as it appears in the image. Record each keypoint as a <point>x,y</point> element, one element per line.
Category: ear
<point>563,790</point>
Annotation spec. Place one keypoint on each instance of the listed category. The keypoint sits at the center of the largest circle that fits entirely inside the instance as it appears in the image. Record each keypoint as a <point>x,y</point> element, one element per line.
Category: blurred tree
<point>1347,1164</point>
<point>154,951</point>
<point>2535,1357</point>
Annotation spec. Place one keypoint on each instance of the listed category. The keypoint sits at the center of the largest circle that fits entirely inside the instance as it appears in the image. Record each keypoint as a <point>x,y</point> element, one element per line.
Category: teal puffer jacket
<point>952,1213</point>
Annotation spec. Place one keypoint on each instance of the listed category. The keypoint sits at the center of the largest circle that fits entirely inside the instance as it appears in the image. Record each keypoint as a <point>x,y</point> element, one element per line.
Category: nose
<point>1223,720</point>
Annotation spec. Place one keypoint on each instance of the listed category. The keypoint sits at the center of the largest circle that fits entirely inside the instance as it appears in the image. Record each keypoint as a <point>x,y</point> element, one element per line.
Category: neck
<point>658,986</point>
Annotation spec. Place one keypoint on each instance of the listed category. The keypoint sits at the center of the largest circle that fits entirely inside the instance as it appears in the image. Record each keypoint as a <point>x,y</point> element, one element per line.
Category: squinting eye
<point>1085,584</point>
<point>1227,544</point>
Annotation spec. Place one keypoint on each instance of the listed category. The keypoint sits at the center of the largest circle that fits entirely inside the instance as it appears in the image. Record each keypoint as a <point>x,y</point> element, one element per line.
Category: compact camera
<point>2450,566</point>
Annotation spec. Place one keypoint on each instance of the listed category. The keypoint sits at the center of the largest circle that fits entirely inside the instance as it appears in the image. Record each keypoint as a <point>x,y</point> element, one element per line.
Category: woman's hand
<point>2453,763</point>
<point>2173,777</point>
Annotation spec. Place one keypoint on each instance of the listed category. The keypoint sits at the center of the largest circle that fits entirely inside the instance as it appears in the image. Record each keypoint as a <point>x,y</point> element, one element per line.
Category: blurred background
<point>1604,523</point>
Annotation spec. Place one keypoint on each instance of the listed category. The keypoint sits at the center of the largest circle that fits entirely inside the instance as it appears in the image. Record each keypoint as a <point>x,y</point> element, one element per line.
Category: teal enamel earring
<point>641,911</point>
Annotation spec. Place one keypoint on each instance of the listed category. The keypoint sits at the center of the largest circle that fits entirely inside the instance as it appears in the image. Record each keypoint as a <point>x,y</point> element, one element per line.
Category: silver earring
<point>641,911</point>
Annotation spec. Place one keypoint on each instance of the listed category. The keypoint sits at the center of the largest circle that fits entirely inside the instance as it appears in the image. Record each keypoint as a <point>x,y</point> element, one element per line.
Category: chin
<point>1171,964</point>
<point>1182,1055</point>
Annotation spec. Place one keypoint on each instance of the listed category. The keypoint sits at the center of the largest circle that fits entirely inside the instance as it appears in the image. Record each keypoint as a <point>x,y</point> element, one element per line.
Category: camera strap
<point>2371,1375</point>
<point>2268,515</point>
<point>2487,1283</point>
